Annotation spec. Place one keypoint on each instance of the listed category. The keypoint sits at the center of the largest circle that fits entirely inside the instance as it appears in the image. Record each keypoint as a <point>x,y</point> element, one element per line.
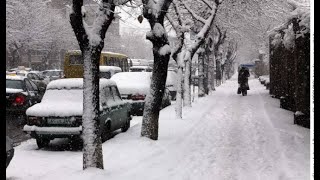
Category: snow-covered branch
<point>194,15</point>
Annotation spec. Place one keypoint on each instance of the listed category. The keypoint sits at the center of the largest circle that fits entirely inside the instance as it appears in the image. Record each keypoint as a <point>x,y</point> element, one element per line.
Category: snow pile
<point>133,82</point>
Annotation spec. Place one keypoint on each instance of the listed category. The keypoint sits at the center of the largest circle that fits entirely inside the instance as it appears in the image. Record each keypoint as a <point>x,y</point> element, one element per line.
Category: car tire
<point>106,132</point>
<point>42,142</point>
<point>126,126</point>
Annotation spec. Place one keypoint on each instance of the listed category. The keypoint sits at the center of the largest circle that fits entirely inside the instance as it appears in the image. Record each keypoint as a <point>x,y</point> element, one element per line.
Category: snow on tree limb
<point>194,15</point>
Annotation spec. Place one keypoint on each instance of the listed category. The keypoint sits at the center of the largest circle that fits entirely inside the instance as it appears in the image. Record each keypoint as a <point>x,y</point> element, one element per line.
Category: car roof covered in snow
<point>75,83</point>
<point>140,67</point>
<point>109,68</point>
<point>15,77</point>
<point>133,82</point>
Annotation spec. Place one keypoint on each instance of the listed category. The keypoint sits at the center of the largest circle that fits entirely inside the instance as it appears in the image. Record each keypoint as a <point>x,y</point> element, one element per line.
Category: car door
<point>38,94</point>
<point>115,110</point>
<point>110,109</point>
<point>122,109</point>
<point>31,93</point>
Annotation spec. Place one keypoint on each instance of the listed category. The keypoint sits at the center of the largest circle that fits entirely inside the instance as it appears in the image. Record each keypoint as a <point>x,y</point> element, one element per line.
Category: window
<point>109,97</point>
<point>30,76</point>
<point>106,75</point>
<point>76,59</point>
<point>29,86</point>
<point>116,94</point>
<point>34,86</point>
<point>14,84</point>
<point>36,77</point>
<point>112,61</point>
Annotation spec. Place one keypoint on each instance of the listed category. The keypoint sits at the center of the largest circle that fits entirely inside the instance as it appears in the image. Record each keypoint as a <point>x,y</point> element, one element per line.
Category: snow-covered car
<point>59,115</point>
<point>21,93</point>
<point>9,151</point>
<point>53,74</point>
<point>171,84</point>
<point>134,86</point>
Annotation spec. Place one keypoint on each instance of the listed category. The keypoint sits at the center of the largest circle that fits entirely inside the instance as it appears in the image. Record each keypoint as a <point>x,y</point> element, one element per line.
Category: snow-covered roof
<point>109,68</point>
<point>15,77</point>
<point>140,67</point>
<point>75,83</point>
<point>133,82</point>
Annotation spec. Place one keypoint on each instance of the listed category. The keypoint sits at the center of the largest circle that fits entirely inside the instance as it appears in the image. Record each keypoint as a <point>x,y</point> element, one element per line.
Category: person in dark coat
<point>243,76</point>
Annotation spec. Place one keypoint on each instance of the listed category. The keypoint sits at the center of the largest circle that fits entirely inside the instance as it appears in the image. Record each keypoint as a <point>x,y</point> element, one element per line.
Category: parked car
<point>140,69</point>
<point>171,84</point>
<point>134,86</point>
<point>21,93</point>
<point>108,71</point>
<point>34,77</point>
<point>53,74</point>
<point>9,150</point>
<point>59,115</point>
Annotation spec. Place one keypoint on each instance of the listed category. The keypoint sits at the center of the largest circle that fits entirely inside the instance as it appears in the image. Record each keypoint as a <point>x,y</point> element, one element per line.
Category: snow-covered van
<point>59,115</point>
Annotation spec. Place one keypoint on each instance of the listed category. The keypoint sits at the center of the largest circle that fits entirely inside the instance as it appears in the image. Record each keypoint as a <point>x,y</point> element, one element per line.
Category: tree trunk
<point>152,106</point>
<point>187,79</point>
<point>179,87</point>
<point>92,148</point>
<point>201,74</point>
<point>91,51</point>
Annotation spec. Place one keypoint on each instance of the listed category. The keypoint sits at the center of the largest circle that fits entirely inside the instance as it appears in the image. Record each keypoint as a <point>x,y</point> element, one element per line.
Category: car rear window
<point>14,84</point>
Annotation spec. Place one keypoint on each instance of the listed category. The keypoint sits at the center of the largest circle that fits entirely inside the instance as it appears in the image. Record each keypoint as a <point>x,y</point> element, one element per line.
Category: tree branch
<point>77,24</point>
<point>193,14</point>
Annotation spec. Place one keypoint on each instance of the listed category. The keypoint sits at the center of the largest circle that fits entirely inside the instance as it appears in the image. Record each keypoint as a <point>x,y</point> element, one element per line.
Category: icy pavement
<point>224,136</point>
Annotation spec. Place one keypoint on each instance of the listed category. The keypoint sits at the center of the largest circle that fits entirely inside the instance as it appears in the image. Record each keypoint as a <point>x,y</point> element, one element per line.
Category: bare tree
<point>91,42</point>
<point>196,43</point>
<point>155,12</point>
<point>180,27</point>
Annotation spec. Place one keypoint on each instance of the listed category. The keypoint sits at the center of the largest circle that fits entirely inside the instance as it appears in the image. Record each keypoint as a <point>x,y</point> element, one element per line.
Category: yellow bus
<point>73,62</point>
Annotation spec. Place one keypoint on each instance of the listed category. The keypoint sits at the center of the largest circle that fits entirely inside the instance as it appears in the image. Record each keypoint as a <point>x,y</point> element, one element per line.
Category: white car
<point>134,87</point>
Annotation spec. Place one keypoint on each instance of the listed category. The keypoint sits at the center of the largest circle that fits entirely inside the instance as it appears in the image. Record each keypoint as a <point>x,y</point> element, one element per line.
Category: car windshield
<point>137,70</point>
<point>14,84</point>
<point>106,75</point>
<point>52,73</point>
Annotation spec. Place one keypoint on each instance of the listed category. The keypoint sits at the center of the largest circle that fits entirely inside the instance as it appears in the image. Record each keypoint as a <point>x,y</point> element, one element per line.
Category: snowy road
<point>224,136</point>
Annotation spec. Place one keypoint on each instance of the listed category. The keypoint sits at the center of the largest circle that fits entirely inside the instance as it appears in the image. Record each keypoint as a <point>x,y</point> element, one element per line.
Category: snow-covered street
<point>224,136</point>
